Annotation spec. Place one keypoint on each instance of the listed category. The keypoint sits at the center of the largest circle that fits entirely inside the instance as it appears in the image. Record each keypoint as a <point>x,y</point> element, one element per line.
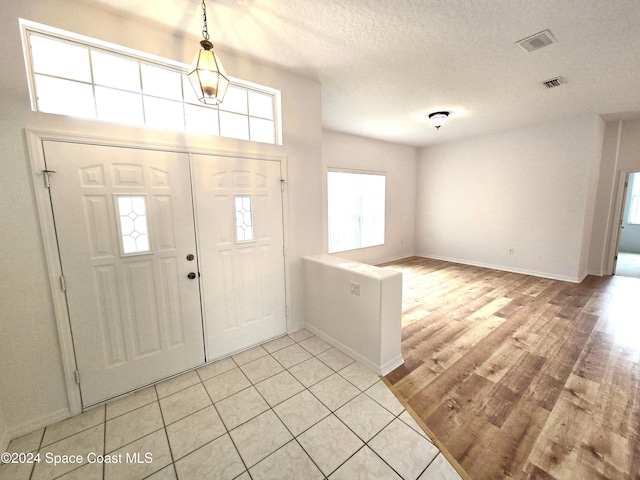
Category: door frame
<point>619,194</point>
<point>35,148</point>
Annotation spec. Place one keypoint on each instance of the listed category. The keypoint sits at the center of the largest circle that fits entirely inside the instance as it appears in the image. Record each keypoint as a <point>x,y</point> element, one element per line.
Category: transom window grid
<point>633,217</point>
<point>77,78</point>
<point>356,210</point>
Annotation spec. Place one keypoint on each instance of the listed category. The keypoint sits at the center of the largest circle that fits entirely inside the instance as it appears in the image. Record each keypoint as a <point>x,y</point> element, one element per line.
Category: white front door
<point>240,238</point>
<point>125,226</point>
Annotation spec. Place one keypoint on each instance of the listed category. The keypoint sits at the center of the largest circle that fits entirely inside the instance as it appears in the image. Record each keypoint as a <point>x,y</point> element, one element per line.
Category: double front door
<point>169,260</point>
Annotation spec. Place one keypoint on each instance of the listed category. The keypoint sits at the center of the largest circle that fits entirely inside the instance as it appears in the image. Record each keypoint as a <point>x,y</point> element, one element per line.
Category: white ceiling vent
<point>537,41</point>
<point>554,82</point>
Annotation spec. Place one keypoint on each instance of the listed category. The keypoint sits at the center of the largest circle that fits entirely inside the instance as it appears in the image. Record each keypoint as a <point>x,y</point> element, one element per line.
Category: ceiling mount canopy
<point>437,119</point>
<point>207,76</point>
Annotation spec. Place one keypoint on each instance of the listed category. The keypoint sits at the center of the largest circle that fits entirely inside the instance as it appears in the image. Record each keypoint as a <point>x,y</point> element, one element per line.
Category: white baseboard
<point>38,423</point>
<point>552,276</point>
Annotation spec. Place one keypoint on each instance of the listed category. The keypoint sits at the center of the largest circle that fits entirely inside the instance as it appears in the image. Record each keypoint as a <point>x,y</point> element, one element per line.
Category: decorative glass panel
<point>244,219</point>
<point>133,224</point>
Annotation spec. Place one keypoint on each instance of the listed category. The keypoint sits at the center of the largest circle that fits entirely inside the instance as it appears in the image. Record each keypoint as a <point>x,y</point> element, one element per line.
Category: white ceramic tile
<point>249,355</point>
<point>277,344</point>
<point>132,426</point>
<point>83,443</point>
<point>364,465</point>
<point>279,388</point>
<point>359,375</point>
<point>261,369</point>
<point>310,372</point>
<point>409,420</point>
<point>141,458</point>
<point>90,471</point>
<point>73,425</point>
<point>194,431</point>
<point>216,460</point>
<point>329,443</point>
<point>300,335</point>
<point>364,416</point>
<point>288,463</point>
<point>241,407</point>
<point>176,384</point>
<point>404,449</point>
<point>301,412</point>
<point>167,473</point>
<point>216,368</point>
<point>440,469</point>
<point>184,403</point>
<point>385,397</point>
<point>131,402</point>
<point>26,443</point>
<point>260,437</point>
<point>335,359</point>
<point>334,391</point>
<point>314,345</point>
<point>226,384</point>
<point>290,356</point>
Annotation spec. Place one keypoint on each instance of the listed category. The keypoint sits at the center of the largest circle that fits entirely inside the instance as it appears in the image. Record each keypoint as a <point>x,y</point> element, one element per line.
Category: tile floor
<point>292,408</point>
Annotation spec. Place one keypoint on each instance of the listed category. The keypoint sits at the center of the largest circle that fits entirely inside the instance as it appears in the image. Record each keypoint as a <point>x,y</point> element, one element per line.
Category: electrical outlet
<point>355,288</point>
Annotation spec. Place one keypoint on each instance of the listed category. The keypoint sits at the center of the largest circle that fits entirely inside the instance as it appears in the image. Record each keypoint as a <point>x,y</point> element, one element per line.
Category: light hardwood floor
<point>523,377</point>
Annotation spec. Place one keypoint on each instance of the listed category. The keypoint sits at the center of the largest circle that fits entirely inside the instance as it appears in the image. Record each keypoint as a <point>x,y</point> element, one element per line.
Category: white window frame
<point>28,27</point>
<point>358,241</point>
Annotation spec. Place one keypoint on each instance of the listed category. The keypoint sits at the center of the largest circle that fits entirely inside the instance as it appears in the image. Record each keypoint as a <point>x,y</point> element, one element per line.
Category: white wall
<point>341,150</point>
<point>620,156</point>
<point>531,190</point>
<point>32,388</point>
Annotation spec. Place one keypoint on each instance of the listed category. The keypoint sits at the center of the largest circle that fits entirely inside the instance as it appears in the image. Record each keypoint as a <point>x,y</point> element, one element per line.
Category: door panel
<point>135,317</point>
<point>242,273</point>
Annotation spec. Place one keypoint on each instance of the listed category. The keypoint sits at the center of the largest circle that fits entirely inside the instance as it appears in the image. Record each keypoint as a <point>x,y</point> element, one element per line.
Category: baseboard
<point>377,369</point>
<point>502,268</point>
<point>391,365</point>
<point>38,423</point>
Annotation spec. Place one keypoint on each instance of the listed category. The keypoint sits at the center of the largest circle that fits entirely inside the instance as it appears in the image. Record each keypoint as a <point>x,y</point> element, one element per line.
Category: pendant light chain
<point>205,30</point>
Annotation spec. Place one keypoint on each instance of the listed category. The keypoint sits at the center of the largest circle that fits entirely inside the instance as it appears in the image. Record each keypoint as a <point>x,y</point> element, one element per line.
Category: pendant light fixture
<point>206,74</point>
<point>437,119</point>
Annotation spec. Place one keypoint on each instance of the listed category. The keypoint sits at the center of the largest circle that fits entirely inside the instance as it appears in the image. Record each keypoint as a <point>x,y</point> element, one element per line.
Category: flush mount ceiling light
<point>206,74</point>
<point>437,119</point>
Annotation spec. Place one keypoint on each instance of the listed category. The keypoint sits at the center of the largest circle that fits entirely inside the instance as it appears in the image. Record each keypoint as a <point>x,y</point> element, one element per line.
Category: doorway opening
<point>628,254</point>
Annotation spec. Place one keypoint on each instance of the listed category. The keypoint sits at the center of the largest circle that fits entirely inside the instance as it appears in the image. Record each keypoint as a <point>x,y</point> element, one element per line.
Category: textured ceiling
<point>384,65</point>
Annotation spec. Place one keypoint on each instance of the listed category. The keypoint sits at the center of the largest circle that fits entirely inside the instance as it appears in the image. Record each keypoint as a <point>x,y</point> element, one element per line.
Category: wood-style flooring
<point>523,377</point>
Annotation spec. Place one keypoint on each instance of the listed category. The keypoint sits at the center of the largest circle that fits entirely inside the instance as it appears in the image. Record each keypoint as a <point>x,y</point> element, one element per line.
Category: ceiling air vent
<point>554,82</point>
<point>537,41</point>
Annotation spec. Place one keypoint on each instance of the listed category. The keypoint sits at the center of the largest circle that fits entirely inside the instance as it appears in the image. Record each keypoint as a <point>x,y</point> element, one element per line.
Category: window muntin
<point>356,210</point>
<point>78,76</point>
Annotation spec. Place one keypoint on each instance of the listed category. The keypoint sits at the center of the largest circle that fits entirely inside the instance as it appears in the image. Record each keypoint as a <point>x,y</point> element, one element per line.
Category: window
<point>134,231</point>
<point>634,203</point>
<point>83,77</point>
<point>356,208</point>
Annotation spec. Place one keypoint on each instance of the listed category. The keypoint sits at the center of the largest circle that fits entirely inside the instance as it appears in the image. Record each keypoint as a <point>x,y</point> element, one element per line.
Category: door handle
<point>191,275</point>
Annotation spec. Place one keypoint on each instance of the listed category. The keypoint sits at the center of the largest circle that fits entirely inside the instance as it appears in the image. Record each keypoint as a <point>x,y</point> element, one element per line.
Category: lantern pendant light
<point>207,76</point>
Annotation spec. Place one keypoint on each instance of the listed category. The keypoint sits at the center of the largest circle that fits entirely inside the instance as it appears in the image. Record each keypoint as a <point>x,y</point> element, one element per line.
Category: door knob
<point>191,275</point>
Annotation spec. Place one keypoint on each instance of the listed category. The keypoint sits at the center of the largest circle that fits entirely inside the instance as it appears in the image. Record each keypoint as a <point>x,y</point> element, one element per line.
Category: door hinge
<point>77,374</point>
<point>282,184</point>
<point>45,175</point>
<point>63,284</point>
